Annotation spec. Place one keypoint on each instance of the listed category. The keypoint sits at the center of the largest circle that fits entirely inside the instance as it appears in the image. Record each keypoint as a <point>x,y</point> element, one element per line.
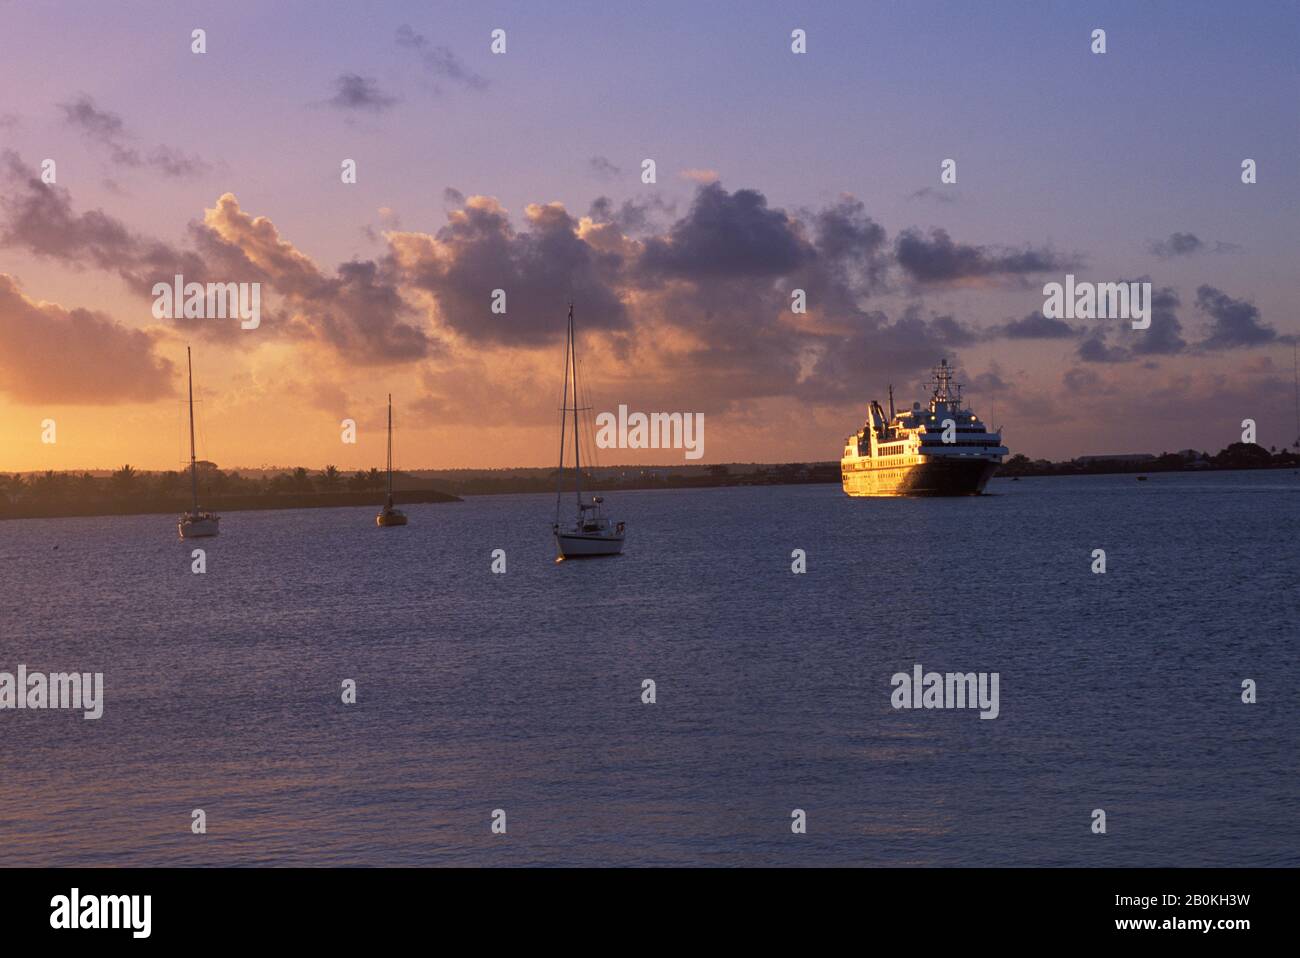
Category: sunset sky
<point>522,171</point>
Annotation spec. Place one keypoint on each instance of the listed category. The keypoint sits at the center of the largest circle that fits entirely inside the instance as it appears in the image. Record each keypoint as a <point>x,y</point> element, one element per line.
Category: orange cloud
<point>49,354</point>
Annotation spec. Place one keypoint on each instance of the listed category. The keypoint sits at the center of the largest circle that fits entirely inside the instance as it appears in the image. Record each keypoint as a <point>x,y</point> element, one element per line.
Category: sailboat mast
<point>564,416</point>
<point>390,450</point>
<point>194,469</point>
<point>577,465</point>
<point>1295,363</point>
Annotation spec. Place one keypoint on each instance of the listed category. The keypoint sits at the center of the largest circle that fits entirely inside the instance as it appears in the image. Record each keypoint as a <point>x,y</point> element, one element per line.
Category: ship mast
<point>564,416</point>
<point>390,450</point>
<point>194,469</point>
<point>577,465</point>
<point>942,388</point>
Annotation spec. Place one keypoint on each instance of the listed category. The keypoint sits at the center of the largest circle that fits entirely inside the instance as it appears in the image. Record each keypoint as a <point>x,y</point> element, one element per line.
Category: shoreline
<point>515,486</point>
<point>220,504</point>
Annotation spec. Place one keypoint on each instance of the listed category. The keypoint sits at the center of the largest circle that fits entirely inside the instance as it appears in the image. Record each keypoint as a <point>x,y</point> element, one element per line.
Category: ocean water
<point>478,691</point>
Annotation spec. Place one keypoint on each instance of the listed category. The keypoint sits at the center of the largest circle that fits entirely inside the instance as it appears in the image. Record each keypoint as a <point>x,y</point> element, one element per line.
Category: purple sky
<point>775,171</point>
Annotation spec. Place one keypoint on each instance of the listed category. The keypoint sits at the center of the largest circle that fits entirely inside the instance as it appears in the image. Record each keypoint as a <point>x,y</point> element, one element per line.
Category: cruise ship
<point>906,455</point>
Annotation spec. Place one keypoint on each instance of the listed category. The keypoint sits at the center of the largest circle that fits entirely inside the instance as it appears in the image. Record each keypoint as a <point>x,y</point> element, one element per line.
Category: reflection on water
<point>522,691</point>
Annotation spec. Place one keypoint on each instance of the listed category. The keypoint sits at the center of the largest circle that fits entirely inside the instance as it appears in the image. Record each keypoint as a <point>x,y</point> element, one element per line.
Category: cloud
<point>1035,326</point>
<point>439,61</point>
<point>930,193</point>
<point>700,304</point>
<point>1235,323</point>
<point>355,92</point>
<point>1185,244</point>
<point>1178,244</point>
<point>49,354</point>
<point>699,176</point>
<point>728,235</point>
<point>540,269</point>
<point>1164,336</point>
<point>358,310</point>
<point>1081,380</point>
<point>602,167</point>
<point>107,130</point>
<point>632,216</point>
<point>38,217</point>
<point>1094,349</point>
<point>937,259</point>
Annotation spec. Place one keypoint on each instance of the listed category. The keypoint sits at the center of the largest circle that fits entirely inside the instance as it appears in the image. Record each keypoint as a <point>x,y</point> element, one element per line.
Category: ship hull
<point>198,527</point>
<point>934,477</point>
<point>573,546</point>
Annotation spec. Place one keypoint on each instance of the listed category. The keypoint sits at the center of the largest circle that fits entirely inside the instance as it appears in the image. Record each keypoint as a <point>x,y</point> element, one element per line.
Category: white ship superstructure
<point>941,450</point>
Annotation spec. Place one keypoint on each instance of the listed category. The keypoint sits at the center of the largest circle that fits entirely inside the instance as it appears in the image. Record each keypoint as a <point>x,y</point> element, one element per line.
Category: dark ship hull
<point>938,476</point>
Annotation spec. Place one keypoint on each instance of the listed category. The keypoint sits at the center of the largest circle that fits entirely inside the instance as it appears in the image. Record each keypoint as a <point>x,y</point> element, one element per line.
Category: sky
<point>523,171</point>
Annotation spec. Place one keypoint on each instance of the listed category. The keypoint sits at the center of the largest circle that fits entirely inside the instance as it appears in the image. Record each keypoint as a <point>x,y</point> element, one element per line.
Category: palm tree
<point>331,477</point>
<point>124,480</point>
<point>15,486</point>
<point>301,480</point>
<point>375,479</point>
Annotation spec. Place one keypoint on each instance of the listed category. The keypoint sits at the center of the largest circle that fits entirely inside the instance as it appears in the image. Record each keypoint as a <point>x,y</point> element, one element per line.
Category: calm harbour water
<point>523,691</point>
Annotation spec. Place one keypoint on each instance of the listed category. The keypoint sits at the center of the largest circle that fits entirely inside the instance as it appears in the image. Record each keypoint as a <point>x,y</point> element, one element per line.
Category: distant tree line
<point>1239,455</point>
<point>128,483</point>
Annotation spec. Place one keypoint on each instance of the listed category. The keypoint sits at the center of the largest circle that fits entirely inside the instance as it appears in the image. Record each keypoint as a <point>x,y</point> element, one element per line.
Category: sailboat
<point>389,516</point>
<point>589,532</point>
<point>196,523</point>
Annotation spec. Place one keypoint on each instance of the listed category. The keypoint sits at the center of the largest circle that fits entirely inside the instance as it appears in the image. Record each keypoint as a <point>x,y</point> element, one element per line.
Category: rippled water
<point>523,691</point>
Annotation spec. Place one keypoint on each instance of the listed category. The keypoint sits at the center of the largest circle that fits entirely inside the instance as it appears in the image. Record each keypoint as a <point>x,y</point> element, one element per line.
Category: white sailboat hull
<point>197,527</point>
<point>575,545</point>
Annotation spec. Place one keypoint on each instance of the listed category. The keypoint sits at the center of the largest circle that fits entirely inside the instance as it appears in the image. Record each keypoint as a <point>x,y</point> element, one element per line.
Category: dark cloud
<point>1035,326</point>
<point>952,332</point>
<point>358,310</point>
<point>355,92</point>
<point>1178,244</point>
<point>602,167</point>
<point>930,193</point>
<point>540,270</point>
<point>439,61</point>
<point>1094,349</point>
<point>453,196</point>
<point>850,245</point>
<point>876,348</point>
<point>937,259</point>
<point>1185,244</point>
<point>107,130</point>
<point>632,216</point>
<point>38,217</point>
<point>728,235</point>
<point>1079,380</point>
<point>1164,336</point>
<point>1235,323</point>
